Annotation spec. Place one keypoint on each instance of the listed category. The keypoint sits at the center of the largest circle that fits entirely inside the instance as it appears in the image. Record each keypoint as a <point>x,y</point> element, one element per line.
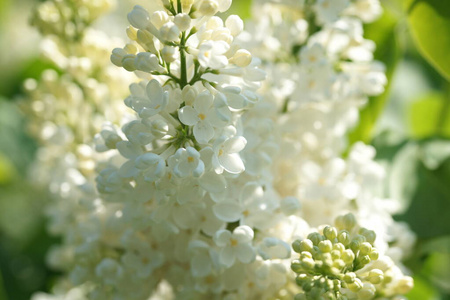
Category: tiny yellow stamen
<point>190,159</point>
<point>202,116</point>
<point>233,242</point>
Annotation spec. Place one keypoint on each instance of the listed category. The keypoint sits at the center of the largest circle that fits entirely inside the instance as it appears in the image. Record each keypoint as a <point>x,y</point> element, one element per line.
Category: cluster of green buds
<point>332,263</point>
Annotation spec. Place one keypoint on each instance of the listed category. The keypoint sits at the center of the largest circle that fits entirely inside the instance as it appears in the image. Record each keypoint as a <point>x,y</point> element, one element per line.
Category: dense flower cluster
<point>315,87</point>
<point>212,170</point>
<point>342,263</point>
<point>67,106</point>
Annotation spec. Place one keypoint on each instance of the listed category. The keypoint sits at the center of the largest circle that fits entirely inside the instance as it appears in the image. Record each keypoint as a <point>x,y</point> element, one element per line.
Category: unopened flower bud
<point>183,21</point>
<point>370,235</point>
<point>159,128</point>
<point>159,18</point>
<point>349,277</point>
<point>148,62</point>
<point>330,233</point>
<point>405,285</point>
<point>189,94</point>
<point>186,5</point>
<point>209,7</point>
<point>169,54</point>
<point>374,254</point>
<point>364,260</point>
<point>242,58</point>
<point>170,32</point>
<point>316,238</point>
<point>325,246</point>
<point>130,49</point>
<point>348,256</point>
<point>367,292</point>
<point>344,237</point>
<point>139,17</point>
<point>145,39</point>
<point>117,56</point>
<point>132,33</point>
<point>235,24</point>
<point>356,285</point>
<point>128,62</point>
<point>376,276</point>
<point>365,248</point>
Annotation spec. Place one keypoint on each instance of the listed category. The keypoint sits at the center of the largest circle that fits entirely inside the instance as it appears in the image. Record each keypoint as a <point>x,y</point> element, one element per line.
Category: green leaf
<point>429,21</point>
<point>383,33</point>
<point>431,200</point>
<point>422,290</point>
<point>437,269</point>
<point>430,116</point>
<point>7,170</point>
<point>242,8</point>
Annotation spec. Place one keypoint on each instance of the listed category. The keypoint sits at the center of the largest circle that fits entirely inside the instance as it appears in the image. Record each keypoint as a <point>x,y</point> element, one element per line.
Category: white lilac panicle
<point>205,187</point>
<point>316,86</point>
<point>67,108</point>
<point>177,203</point>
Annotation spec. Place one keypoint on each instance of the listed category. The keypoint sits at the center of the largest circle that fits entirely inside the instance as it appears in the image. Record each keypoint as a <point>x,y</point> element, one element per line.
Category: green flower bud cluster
<point>329,261</point>
<point>68,19</point>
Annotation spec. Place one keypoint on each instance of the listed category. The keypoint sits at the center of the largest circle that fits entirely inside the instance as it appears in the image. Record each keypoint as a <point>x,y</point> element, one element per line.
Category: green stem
<point>183,79</point>
<point>179,6</point>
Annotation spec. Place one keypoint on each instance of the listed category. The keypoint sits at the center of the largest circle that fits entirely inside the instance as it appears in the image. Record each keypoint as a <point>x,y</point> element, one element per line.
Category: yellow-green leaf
<point>429,21</point>
<point>429,116</point>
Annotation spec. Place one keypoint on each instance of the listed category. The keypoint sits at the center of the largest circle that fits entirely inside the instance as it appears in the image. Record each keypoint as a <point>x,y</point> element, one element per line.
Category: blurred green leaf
<point>7,170</point>
<point>403,178</point>
<point>383,33</point>
<point>429,21</point>
<point>430,200</point>
<point>429,116</point>
<point>437,269</point>
<point>15,143</point>
<point>242,8</point>
<point>422,290</point>
<point>4,4</point>
<point>440,244</point>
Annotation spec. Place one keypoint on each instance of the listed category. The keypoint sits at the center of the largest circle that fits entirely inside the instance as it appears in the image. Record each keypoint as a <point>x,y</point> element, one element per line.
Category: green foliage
<point>242,8</point>
<point>431,198</point>
<point>422,290</point>
<point>383,33</point>
<point>430,116</point>
<point>429,21</point>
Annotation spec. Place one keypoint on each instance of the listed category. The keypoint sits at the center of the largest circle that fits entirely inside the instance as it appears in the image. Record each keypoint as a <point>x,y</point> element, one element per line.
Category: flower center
<point>190,159</point>
<point>202,116</point>
<point>233,242</point>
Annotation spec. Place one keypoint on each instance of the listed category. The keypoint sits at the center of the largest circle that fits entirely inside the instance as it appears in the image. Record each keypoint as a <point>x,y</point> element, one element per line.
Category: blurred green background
<point>409,125</point>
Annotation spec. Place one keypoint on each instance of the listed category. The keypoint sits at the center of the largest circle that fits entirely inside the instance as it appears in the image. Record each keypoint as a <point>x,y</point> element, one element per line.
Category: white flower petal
<point>200,265</point>
<point>227,211</point>
<point>203,102</point>
<point>245,253</point>
<point>235,144</point>
<point>213,182</point>
<point>232,163</point>
<point>188,116</point>
<point>227,256</point>
<point>203,132</point>
<point>222,238</point>
<point>155,91</point>
<point>243,234</point>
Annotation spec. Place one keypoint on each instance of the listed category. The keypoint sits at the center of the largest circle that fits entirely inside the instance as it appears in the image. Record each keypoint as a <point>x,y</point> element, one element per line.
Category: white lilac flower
<point>235,245</point>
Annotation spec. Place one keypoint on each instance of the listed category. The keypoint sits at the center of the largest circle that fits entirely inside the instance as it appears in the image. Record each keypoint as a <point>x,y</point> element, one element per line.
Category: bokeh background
<point>409,125</point>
